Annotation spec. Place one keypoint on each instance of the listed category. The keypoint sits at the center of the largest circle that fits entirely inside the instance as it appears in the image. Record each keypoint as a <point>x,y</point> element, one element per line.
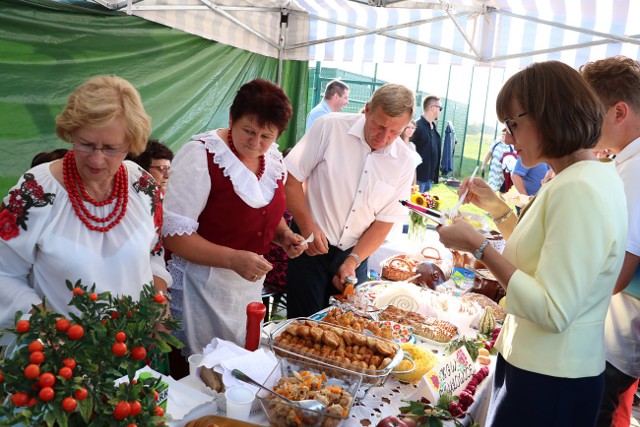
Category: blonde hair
<point>394,100</point>
<point>97,102</point>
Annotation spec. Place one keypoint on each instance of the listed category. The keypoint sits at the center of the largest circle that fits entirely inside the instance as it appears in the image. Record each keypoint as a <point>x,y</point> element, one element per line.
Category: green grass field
<point>6,183</point>
<point>470,156</point>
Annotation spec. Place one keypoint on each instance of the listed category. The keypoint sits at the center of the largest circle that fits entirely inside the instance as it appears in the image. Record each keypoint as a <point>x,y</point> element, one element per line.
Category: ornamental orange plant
<point>61,370</point>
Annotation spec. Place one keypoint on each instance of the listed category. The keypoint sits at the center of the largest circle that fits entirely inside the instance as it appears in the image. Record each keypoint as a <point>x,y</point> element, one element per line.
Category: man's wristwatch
<point>356,257</point>
<point>480,251</point>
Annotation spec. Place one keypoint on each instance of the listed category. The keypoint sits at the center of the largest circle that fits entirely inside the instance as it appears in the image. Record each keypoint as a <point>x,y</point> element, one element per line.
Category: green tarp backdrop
<point>186,82</point>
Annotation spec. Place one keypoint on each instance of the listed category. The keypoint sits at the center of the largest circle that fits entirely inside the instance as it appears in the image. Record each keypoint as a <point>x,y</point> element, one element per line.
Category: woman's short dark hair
<point>155,150</point>
<point>48,156</point>
<point>567,112</point>
<point>265,101</point>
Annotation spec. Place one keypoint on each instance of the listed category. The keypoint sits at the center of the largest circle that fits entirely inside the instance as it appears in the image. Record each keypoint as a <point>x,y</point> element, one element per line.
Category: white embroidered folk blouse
<point>43,243</point>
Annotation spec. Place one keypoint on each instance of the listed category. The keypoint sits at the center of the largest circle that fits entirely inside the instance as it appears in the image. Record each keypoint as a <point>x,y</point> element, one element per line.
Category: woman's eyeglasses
<point>510,119</point>
<point>161,169</point>
<point>90,148</point>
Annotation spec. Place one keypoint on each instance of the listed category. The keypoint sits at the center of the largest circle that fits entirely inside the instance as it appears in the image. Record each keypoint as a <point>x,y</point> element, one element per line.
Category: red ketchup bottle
<point>255,313</point>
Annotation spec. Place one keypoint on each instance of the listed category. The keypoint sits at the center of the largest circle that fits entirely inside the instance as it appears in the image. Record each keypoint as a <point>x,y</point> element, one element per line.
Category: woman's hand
<point>460,235</point>
<point>250,266</point>
<point>481,195</point>
<point>292,243</point>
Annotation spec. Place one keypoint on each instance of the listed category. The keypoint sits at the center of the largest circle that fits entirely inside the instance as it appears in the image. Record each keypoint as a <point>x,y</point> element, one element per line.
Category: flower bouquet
<point>61,370</point>
<point>417,222</point>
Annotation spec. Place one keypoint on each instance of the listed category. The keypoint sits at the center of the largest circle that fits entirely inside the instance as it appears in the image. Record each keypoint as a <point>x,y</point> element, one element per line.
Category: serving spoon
<point>307,405</point>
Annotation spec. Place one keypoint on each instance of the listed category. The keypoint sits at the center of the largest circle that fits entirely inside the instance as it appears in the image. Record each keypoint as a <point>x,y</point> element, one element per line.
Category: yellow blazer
<point>568,248</point>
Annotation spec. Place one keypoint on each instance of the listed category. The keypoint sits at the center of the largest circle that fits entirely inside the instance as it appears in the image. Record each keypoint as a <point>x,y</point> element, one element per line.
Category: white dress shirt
<point>349,186</point>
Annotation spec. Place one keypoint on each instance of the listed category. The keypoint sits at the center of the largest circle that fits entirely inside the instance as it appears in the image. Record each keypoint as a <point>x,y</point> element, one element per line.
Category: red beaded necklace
<point>235,151</point>
<point>78,195</point>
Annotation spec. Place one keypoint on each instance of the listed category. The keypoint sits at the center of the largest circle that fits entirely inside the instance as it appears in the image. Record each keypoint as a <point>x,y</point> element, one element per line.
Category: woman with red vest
<point>224,206</point>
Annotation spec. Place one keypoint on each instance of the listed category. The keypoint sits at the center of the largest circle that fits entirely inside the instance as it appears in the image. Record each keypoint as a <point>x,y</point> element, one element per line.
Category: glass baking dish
<point>337,390</point>
<point>343,357</point>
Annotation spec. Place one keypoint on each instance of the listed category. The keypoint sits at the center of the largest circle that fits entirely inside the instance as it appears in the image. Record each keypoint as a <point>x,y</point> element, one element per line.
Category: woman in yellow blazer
<point>562,256</point>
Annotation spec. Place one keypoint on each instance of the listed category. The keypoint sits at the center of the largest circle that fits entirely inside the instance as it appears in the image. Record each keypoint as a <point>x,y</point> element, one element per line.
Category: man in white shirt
<point>355,168</point>
<point>616,81</point>
<point>336,96</point>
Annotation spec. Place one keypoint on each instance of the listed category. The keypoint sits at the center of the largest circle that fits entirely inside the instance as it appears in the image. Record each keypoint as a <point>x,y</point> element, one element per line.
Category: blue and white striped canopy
<point>504,33</point>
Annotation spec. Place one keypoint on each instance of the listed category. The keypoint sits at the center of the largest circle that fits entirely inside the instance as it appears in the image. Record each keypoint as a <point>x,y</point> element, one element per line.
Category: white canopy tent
<point>503,33</point>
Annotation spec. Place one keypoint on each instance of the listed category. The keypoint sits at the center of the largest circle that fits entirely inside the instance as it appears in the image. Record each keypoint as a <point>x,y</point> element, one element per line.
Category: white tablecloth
<point>376,404</point>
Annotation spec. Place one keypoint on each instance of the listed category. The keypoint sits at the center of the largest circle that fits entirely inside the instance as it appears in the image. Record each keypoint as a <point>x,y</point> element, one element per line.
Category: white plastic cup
<point>239,401</point>
<point>194,363</point>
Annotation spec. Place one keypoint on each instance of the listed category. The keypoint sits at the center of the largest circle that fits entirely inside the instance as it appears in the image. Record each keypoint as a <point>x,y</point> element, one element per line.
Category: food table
<point>378,403</point>
<point>384,400</point>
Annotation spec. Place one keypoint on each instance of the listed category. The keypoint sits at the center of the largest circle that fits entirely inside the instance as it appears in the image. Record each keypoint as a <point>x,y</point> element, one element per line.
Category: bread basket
<point>399,268</point>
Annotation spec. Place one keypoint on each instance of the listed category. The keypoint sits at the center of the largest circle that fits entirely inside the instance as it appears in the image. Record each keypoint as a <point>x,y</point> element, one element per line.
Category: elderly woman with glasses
<point>90,216</point>
<point>562,256</point>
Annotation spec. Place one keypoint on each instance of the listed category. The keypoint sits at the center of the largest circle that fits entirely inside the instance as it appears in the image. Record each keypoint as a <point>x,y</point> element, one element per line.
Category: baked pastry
<point>484,301</point>
<point>351,320</point>
<point>337,345</point>
<point>211,379</point>
<point>428,327</point>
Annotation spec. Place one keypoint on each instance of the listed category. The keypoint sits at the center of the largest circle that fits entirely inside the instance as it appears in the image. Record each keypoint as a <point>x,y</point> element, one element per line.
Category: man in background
<point>336,96</point>
<point>346,176</point>
<point>428,144</point>
<point>616,80</point>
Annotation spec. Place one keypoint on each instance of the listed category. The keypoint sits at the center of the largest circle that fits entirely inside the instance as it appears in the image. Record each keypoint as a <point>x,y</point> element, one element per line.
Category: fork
<point>453,212</point>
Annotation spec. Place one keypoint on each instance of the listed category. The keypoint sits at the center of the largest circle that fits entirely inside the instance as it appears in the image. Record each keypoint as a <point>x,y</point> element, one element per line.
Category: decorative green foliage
<point>78,351</point>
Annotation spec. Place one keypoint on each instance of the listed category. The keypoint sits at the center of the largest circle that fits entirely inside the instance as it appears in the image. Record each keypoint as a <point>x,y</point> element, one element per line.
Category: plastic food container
<point>283,414</point>
<point>341,359</point>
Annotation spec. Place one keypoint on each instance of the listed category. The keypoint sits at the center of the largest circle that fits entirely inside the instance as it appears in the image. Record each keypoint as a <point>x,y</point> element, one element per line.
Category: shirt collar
<point>629,151</point>
<point>357,130</point>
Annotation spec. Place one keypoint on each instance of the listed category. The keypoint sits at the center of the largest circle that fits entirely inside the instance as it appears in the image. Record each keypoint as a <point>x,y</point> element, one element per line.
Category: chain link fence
<point>466,154</point>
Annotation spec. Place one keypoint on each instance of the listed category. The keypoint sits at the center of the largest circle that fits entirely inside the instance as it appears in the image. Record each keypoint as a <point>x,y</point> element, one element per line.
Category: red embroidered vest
<point>227,220</point>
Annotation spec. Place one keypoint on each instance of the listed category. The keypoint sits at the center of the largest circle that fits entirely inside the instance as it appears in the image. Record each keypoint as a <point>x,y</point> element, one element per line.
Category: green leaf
<point>435,422</point>
<point>86,407</point>
<point>163,346</point>
<point>445,400</point>
<point>61,418</point>
<point>50,418</point>
<point>416,408</point>
<point>171,340</point>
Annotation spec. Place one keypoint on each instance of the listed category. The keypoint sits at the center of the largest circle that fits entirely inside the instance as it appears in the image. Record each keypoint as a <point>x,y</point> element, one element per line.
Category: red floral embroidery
<point>8,225</point>
<point>147,185</point>
<point>15,214</point>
